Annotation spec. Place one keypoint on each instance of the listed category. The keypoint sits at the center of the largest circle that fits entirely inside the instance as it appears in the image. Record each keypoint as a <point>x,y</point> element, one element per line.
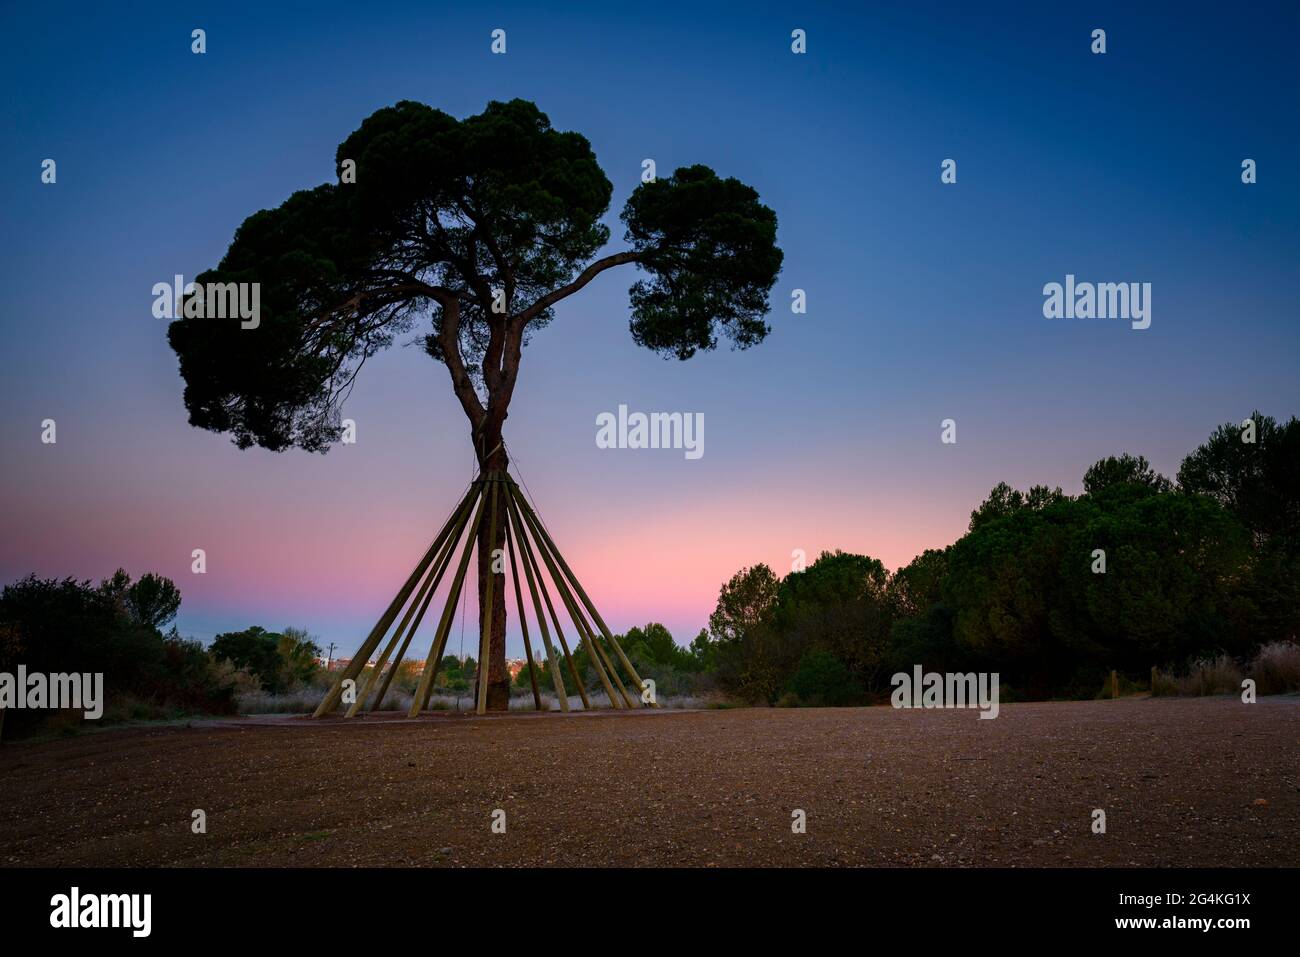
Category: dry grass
<point>1275,669</point>
<point>1205,676</point>
<point>304,701</point>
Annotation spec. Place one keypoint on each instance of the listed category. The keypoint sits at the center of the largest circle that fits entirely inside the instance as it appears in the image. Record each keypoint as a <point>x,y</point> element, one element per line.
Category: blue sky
<point>924,300</point>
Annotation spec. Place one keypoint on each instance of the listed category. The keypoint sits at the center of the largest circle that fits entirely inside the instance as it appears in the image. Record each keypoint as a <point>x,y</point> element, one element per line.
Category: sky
<point>924,299</point>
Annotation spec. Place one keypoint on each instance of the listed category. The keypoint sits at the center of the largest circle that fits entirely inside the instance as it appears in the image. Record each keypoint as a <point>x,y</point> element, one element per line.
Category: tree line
<point>1051,590</point>
<point>116,628</point>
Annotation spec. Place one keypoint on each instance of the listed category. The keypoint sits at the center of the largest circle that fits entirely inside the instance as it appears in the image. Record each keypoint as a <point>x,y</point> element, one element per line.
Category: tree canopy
<point>476,228</point>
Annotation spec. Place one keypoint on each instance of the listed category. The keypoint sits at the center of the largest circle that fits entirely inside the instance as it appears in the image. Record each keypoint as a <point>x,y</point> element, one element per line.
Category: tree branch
<point>449,341</point>
<point>587,275</point>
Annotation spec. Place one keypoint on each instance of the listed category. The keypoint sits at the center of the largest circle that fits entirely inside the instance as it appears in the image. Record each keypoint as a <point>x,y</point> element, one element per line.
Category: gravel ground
<point>1208,782</point>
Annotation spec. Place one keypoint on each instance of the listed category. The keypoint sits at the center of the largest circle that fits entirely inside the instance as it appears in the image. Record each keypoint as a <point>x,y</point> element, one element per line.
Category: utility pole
<point>329,655</point>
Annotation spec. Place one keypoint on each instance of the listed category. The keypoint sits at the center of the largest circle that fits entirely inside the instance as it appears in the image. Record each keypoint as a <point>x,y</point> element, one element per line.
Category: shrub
<point>1204,676</point>
<point>1276,668</point>
<point>821,679</point>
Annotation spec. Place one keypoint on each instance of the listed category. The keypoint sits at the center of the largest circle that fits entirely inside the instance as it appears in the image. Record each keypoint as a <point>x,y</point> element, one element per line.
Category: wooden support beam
<point>555,623</point>
<point>530,557</point>
<point>523,619</point>
<point>418,604</point>
<point>603,667</point>
<point>559,631</point>
<point>556,677</point>
<point>593,643</point>
<point>577,586</point>
<point>631,701</point>
<point>485,633</point>
<point>444,625</point>
<point>331,700</point>
<point>443,563</point>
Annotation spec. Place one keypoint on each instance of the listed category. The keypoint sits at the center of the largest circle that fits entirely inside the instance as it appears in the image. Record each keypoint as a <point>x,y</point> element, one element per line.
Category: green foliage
<point>1118,472</point>
<point>1027,602</point>
<point>655,644</point>
<point>839,605</point>
<point>744,647</point>
<point>743,603</point>
<point>298,658</point>
<point>1208,570</point>
<point>254,649</point>
<point>1005,500</point>
<point>442,213</point>
<point>279,385</point>
<point>281,662</point>
<point>657,656</point>
<point>710,248</point>
<point>153,600</point>
<point>63,626</point>
<point>822,680</point>
<point>503,177</point>
<point>705,651</point>
<point>1258,481</point>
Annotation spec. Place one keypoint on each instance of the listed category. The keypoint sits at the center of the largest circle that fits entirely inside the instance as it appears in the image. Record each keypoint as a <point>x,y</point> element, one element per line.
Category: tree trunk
<point>492,457</point>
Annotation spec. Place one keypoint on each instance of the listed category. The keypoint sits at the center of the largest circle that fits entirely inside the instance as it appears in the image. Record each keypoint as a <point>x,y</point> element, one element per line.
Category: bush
<point>71,626</point>
<point>1204,676</point>
<point>822,679</point>
<point>1276,668</point>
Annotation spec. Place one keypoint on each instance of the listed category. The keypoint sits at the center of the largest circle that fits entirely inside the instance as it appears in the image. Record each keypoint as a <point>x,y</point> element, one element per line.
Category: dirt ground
<point>1182,782</point>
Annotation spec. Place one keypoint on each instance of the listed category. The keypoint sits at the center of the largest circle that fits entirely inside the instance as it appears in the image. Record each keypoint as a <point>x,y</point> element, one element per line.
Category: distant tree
<point>1004,500</point>
<point>475,229</point>
<point>747,650</point>
<point>1025,599</point>
<point>743,603</point>
<point>1049,590</point>
<point>1172,588</point>
<point>254,648</point>
<point>60,626</point>
<point>153,600</point>
<point>704,651</point>
<point>298,653</point>
<point>1259,481</point>
<point>838,604</point>
<point>654,643</point>
<point>916,586</point>
<point>822,680</point>
<point>68,625</point>
<point>116,587</point>
<point>1124,470</point>
<point>921,629</point>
